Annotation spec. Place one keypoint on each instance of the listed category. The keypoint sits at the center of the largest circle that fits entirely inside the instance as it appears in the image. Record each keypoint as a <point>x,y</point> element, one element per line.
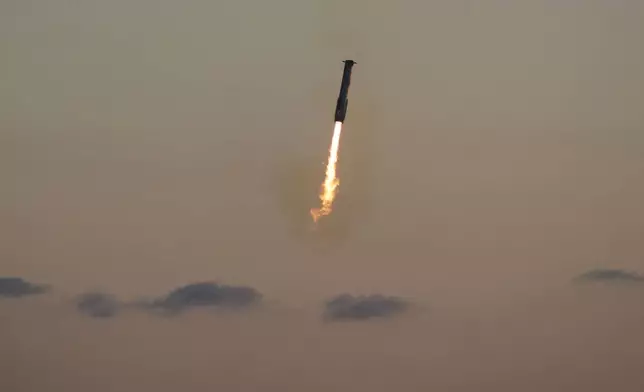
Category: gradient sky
<point>492,151</point>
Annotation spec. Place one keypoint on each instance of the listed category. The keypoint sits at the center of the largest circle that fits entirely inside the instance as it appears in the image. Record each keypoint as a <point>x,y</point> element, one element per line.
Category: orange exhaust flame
<point>331,181</point>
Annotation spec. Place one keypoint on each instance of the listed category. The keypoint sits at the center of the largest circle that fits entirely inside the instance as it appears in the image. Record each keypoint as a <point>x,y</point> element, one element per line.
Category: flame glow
<point>331,181</point>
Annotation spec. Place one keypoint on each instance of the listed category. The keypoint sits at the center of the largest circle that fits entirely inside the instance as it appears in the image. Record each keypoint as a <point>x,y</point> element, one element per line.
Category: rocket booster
<point>343,100</point>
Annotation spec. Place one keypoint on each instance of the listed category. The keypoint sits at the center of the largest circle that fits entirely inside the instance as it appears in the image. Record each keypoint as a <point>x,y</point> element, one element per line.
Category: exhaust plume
<point>331,181</point>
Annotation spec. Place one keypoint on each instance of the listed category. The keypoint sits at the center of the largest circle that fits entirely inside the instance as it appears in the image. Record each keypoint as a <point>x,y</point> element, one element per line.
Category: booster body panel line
<point>343,97</point>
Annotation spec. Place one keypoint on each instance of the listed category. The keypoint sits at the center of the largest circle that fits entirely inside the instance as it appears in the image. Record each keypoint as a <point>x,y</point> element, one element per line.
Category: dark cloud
<point>610,275</point>
<point>208,294</point>
<point>96,304</point>
<point>349,307</point>
<point>17,287</point>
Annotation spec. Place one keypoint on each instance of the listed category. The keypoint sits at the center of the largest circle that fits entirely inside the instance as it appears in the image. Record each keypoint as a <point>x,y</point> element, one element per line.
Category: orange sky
<point>492,151</point>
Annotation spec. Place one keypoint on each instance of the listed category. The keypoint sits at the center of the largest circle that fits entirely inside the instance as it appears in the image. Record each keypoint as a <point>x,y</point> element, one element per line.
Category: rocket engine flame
<point>331,182</point>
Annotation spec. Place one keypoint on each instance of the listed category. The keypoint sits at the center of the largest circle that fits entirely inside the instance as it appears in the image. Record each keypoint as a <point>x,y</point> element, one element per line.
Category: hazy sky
<point>492,151</point>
